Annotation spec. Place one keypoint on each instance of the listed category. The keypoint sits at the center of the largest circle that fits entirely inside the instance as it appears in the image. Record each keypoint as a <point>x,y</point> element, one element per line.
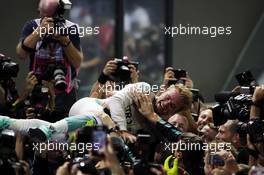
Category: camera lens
<point>242,128</point>
<point>60,80</point>
<point>10,69</point>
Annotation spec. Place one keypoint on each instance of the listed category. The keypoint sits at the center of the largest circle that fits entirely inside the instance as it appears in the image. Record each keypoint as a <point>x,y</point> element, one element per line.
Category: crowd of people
<point>124,126</point>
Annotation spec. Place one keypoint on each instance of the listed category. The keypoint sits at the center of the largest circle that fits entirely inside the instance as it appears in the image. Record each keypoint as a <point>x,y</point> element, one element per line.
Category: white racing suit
<point>82,113</point>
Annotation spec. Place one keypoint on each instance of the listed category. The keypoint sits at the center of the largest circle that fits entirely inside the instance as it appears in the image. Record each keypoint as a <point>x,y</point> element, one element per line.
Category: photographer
<point>41,105</point>
<point>45,44</point>
<point>8,92</point>
<point>228,132</point>
<point>9,95</point>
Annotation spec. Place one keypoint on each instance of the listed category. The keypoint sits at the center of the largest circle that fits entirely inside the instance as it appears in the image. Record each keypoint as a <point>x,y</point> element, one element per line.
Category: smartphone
<point>257,170</point>
<point>245,78</point>
<point>215,159</point>
<point>99,139</point>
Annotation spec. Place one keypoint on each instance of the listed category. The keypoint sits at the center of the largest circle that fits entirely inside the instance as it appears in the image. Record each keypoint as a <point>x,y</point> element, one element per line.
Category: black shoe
<point>37,135</point>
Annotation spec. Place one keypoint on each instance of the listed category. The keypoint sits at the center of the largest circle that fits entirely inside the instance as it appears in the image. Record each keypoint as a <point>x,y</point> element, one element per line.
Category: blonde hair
<point>185,95</point>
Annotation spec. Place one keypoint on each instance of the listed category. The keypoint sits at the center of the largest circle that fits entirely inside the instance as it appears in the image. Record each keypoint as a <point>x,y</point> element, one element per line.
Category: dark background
<point>211,62</point>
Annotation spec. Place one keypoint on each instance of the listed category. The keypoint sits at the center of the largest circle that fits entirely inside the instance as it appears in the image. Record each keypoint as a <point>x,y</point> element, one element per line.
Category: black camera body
<point>8,157</point>
<point>122,73</point>
<point>59,20</point>
<point>59,23</point>
<point>85,165</point>
<point>231,106</point>
<point>59,26</point>
<point>178,74</point>
<point>7,143</point>
<point>56,72</point>
<point>255,129</point>
<point>245,79</point>
<point>8,68</point>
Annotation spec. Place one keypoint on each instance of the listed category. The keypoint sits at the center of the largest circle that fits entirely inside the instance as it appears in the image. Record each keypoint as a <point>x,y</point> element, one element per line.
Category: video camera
<point>246,79</point>
<point>8,68</point>
<point>231,105</point>
<point>255,129</point>
<point>235,105</point>
<point>122,73</point>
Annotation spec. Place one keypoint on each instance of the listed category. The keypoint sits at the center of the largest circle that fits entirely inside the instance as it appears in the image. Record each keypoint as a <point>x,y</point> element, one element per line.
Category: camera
<point>231,106</point>
<point>122,73</point>
<point>58,19</point>
<point>245,79</point>
<point>8,68</point>
<point>235,105</point>
<point>56,72</point>
<point>8,157</point>
<point>255,129</point>
<point>178,74</point>
<point>7,143</point>
<point>59,22</point>
<point>85,165</point>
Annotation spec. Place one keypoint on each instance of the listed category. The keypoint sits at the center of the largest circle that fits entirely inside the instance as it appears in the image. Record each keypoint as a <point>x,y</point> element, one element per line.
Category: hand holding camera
<point>258,95</point>
<point>177,76</point>
<point>31,81</point>
<point>110,67</point>
<point>120,70</point>
<point>46,25</point>
<point>124,70</point>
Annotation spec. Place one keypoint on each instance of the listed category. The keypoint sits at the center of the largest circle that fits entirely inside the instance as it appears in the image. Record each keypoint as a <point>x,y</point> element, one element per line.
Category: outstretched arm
<point>145,107</point>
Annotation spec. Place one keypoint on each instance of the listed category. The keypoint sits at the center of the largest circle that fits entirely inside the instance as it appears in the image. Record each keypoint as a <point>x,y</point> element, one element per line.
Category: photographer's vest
<point>53,54</point>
